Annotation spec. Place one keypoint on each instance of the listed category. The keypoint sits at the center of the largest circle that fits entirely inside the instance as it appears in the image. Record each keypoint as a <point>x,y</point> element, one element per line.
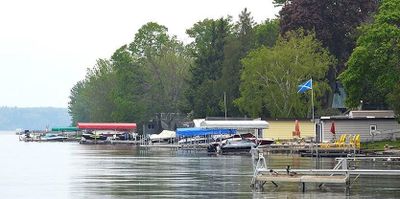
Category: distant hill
<point>12,118</point>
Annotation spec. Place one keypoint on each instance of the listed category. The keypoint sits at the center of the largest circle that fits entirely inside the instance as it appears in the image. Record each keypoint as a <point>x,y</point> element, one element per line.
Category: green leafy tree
<point>169,72</point>
<point>334,23</point>
<point>149,40</point>
<point>266,33</point>
<point>374,66</point>
<point>131,85</point>
<point>165,62</point>
<point>271,75</point>
<point>100,84</point>
<point>78,105</point>
<point>139,80</point>
<point>91,99</point>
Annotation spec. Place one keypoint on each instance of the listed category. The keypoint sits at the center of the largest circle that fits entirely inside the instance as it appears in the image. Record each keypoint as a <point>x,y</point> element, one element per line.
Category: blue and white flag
<point>305,86</point>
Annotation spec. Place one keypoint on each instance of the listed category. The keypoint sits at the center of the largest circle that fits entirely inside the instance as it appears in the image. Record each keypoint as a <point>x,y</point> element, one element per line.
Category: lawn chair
<point>355,141</point>
<point>341,141</point>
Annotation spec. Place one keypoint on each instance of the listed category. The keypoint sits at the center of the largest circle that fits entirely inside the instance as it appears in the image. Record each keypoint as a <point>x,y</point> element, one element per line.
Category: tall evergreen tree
<point>237,46</point>
<point>204,94</point>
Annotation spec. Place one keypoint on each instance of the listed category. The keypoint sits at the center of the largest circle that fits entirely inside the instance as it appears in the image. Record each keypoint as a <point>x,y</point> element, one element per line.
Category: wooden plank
<point>324,179</point>
<point>302,178</point>
<point>278,178</point>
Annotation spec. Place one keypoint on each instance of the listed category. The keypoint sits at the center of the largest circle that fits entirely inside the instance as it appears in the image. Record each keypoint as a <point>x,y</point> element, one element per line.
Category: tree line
<point>257,66</point>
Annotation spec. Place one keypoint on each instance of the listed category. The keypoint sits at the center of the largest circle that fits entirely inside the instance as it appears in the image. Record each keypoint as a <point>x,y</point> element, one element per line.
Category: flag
<point>305,86</point>
<point>333,128</point>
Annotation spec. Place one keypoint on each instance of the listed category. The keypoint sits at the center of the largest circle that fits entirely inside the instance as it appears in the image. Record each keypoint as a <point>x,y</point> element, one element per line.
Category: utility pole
<point>226,113</point>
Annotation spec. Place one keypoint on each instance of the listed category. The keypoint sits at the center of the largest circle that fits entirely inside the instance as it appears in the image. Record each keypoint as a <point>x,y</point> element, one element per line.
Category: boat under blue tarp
<point>189,132</point>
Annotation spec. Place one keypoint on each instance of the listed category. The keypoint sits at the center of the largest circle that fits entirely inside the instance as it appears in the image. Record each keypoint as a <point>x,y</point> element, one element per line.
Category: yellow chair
<point>337,143</point>
<point>355,141</point>
<point>341,141</point>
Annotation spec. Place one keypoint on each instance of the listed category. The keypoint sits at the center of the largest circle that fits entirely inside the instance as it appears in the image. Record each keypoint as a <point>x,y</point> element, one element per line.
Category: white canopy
<point>165,134</point>
<point>235,124</point>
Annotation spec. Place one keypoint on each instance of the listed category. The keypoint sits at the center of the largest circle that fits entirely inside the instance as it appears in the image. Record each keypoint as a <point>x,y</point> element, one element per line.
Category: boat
<point>93,136</point>
<point>258,141</point>
<point>97,133</point>
<point>53,137</point>
<point>235,145</point>
<point>165,137</point>
<point>193,140</point>
<point>238,143</point>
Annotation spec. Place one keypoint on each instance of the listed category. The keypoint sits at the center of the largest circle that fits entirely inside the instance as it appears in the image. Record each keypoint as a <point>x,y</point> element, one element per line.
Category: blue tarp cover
<point>186,132</point>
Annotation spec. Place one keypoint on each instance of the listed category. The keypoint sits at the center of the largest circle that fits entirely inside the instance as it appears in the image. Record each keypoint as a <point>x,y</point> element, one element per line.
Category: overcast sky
<point>46,45</point>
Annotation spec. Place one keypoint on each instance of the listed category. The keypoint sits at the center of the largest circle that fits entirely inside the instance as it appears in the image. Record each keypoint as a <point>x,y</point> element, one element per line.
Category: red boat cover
<point>107,126</point>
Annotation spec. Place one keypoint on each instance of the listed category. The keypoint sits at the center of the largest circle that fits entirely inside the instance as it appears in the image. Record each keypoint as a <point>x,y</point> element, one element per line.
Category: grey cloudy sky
<point>46,45</point>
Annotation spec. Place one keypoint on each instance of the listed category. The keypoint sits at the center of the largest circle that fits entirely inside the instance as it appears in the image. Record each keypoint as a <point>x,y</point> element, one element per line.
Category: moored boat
<point>53,137</point>
<point>93,136</point>
<point>238,143</point>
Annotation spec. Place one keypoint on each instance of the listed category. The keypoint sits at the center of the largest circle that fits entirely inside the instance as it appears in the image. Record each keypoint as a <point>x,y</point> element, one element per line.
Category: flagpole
<point>312,101</point>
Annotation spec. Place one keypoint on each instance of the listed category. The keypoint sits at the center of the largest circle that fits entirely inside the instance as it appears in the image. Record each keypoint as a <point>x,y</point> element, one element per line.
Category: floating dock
<point>340,174</point>
<point>309,150</point>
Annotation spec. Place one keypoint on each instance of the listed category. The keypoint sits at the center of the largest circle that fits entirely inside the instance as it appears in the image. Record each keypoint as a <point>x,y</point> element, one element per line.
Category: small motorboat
<point>193,140</point>
<point>91,136</point>
<point>242,145</point>
<point>53,137</point>
<point>238,143</point>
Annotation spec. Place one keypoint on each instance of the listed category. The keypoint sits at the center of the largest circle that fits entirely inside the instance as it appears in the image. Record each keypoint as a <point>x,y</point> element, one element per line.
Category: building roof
<point>363,114</point>
<point>69,128</point>
<point>235,124</point>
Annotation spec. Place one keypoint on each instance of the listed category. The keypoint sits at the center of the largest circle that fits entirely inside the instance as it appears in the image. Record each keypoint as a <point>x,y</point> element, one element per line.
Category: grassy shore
<point>380,145</point>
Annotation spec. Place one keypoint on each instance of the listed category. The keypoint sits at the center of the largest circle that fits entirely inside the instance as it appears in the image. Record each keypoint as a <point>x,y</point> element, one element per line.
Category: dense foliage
<point>271,76</point>
<point>334,23</point>
<point>141,79</point>
<point>373,73</point>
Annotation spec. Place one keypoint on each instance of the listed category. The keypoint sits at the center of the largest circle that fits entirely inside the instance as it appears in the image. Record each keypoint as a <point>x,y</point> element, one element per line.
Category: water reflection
<point>71,170</point>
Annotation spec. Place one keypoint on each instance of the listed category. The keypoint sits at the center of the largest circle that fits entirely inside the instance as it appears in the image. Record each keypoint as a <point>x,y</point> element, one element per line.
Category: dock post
<point>261,164</point>
<point>303,186</point>
<point>347,189</point>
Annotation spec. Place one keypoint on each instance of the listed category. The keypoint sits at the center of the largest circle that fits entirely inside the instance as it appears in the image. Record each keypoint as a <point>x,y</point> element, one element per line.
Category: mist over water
<point>71,170</point>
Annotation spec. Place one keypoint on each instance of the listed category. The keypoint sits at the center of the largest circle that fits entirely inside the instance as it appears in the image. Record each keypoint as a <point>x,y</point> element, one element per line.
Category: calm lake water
<point>71,170</point>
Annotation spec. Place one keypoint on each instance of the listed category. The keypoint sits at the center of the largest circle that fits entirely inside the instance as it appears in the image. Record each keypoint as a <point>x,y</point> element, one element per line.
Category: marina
<point>72,170</point>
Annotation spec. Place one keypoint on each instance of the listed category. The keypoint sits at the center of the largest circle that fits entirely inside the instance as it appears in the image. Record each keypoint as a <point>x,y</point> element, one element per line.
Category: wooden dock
<point>309,150</point>
<point>131,142</point>
<point>176,146</point>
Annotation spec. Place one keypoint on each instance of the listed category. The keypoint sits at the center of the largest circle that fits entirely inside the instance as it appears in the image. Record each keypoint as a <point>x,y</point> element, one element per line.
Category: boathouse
<point>372,125</point>
<point>282,129</point>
